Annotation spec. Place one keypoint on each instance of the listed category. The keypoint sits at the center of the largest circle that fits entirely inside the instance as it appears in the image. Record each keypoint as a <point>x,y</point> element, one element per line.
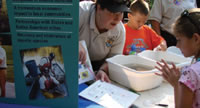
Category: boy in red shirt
<point>140,37</point>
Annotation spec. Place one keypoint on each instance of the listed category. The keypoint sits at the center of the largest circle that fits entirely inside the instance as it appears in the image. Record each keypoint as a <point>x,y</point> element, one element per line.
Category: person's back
<point>140,37</point>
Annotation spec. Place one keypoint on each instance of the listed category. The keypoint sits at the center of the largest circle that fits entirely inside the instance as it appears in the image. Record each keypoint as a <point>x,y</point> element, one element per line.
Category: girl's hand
<point>171,74</point>
<point>101,75</point>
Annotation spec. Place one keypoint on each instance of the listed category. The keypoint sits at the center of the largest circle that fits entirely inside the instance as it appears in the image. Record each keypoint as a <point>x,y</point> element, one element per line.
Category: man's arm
<point>156,14</point>
<point>155,26</point>
<point>1,61</point>
<point>102,73</point>
<point>104,67</point>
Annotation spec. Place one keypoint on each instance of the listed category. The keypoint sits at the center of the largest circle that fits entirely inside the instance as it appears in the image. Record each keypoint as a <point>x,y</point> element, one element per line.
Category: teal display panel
<point>42,52</point>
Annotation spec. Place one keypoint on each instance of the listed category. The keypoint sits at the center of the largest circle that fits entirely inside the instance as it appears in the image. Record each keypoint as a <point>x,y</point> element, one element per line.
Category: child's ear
<point>129,15</point>
<point>196,37</point>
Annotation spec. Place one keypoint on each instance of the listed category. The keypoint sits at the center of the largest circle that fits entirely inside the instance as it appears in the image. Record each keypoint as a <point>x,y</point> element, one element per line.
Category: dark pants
<point>97,64</point>
<point>198,3</point>
<point>170,39</point>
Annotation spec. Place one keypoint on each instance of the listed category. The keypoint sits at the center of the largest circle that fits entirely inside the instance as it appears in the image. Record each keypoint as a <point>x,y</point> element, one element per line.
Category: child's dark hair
<point>140,6</point>
<point>188,24</point>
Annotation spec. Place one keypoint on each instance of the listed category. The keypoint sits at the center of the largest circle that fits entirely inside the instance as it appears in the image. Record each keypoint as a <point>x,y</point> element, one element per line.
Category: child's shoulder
<point>149,29</point>
<point>146,27</point>
<point>194,67</point>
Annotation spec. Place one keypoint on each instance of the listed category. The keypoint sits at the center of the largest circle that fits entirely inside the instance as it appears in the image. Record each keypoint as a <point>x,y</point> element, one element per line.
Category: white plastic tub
<point>131,78</point>
<point>169,57</point>
<point>174,49</point>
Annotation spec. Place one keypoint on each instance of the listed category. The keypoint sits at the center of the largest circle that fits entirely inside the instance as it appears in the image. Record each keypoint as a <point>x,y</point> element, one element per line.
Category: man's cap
<point>115,5</point>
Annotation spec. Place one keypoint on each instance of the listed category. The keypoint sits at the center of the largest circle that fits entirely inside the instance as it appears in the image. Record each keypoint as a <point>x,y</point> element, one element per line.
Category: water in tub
<point>170,62</point>
<point>139,67</point>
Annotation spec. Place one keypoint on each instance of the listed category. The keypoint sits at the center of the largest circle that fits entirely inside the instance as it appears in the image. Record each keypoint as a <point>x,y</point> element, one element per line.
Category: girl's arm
<point>184,97</point>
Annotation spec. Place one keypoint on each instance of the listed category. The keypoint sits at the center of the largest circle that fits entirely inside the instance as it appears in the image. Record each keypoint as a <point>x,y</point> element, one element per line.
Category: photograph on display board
<point>44,72</point>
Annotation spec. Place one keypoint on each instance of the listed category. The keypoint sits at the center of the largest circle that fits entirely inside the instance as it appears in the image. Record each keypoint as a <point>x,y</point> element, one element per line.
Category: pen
<point>162,105</point>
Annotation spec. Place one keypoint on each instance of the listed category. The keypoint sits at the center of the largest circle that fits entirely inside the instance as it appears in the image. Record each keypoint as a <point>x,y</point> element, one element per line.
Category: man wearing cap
<point>101,27</point>
<point>3,72</point>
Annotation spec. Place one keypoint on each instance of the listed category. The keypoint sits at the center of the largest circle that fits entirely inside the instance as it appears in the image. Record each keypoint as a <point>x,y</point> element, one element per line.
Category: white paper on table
<point>86,72</point>
<point>109,95</point>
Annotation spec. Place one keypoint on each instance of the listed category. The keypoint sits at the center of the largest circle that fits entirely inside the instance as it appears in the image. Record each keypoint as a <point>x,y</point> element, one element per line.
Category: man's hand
<point>101,75</point>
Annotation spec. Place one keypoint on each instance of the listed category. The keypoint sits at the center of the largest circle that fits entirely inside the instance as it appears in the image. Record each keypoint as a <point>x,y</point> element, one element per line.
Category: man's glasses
<point>188,15</point>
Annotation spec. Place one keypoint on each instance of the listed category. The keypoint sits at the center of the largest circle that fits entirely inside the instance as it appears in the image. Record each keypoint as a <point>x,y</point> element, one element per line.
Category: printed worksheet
<point>109,95</point>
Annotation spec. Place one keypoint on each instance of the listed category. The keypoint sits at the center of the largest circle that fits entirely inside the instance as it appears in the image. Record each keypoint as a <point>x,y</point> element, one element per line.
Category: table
<point>163,94</point>
<point>147,99</point>
<point>84,103</point>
